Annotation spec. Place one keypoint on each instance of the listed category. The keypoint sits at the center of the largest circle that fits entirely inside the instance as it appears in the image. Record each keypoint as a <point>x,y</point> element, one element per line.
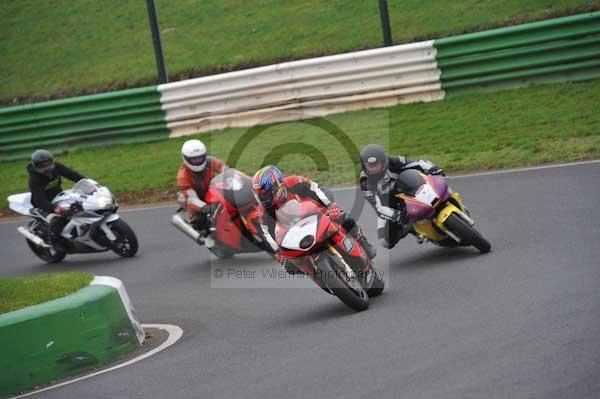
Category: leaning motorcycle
<point>323,250</point>
<point>94,225</point>
<point>233,218</point>
<point>438,214</point>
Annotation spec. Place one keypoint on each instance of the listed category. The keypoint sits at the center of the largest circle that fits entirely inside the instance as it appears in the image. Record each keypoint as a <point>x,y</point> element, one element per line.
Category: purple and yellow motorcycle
<point>437,213</point>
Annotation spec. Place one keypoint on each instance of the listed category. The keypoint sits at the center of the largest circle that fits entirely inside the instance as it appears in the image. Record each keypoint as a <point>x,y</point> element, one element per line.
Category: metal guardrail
<point>556,50</point>
<point>101,119</point>
<point>307,88</point>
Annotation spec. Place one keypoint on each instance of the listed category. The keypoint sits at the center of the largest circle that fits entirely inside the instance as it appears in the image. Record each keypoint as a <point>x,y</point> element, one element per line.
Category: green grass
<point>540,124</point>
<point>67,47</point>
<point>19,292</point>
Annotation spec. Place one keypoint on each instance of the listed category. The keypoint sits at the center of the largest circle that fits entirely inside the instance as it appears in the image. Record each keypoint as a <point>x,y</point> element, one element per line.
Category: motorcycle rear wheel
<point>331,270</point>
<point>221,253</point>
<point>377,286</point>
<point>467,233</point>
<point>46,254</point>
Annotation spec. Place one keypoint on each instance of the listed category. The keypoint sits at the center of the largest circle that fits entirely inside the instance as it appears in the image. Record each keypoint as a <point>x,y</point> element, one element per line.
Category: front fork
<point>448,209</point>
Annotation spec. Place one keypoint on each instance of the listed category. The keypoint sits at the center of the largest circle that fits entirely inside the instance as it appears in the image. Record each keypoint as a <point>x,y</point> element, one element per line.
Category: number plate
<point>426,195</point>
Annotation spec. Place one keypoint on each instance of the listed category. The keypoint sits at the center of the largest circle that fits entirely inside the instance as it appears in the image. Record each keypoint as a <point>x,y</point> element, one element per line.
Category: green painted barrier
<point>556,50</point>
<point>126,116</point>
<point>63,337</point>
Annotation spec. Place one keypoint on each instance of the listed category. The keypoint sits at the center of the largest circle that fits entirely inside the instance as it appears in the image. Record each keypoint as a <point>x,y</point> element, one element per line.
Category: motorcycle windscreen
<point>235,186</point>
<point>86,186</point>
<point>410,181</point>
<point>293,211</point>
<point>297,224</point>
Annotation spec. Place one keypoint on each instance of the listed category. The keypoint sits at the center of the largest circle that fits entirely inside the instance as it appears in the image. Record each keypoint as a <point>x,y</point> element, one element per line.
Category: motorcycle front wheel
<point>467,233</point>
<point>126,243</point>
<point>333,276</point>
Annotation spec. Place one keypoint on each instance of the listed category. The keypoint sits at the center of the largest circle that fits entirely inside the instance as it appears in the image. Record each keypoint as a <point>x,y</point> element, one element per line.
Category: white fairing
<point>92,197</point>
<point>305,227</point>
<point>426,194</point>
<point>99,199</point>
<point>20,203</point>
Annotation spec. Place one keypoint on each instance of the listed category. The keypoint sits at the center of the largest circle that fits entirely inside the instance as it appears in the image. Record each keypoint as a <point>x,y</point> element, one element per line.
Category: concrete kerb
<point>67,336</point>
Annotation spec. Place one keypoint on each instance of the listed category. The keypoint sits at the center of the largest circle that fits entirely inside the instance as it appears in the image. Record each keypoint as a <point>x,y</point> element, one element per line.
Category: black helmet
<point>374,161</point>
<point>42,161</point>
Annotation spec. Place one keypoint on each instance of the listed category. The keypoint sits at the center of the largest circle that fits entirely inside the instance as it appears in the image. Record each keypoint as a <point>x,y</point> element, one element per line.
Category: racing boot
<point>55,226</point>
<point>357,234</point>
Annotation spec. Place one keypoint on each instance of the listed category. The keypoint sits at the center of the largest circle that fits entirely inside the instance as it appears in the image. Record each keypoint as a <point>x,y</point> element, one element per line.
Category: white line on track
<point>504,171</point>
<point>490,173</point>
<point>174,332</point>
<point>526,169</point>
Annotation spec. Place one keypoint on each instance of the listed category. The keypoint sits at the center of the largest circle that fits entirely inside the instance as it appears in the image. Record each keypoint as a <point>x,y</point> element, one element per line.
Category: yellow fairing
<point>444,214</point>
<point>426,228</point>
<point>458,199</point>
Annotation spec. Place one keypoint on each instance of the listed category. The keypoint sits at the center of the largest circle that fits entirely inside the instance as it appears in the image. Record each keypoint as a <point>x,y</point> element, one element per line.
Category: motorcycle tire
<point>46,254</point>
<point>221,253</point>
<point>126,243</point>
<point>467,233</point>
<point>354,297</point>
<point>377,286</point>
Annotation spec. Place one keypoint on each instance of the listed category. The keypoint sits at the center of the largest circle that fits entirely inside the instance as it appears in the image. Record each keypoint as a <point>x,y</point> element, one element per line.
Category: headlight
<point>307,242</point>
<point>103,202</point>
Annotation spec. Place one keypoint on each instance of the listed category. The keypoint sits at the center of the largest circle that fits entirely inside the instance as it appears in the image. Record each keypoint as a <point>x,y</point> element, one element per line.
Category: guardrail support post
<point>158,52</point>
<point>385,23</point>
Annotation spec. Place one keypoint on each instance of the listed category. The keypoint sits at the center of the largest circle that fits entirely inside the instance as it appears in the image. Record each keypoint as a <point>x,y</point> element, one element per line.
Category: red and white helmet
<point>193,153</point>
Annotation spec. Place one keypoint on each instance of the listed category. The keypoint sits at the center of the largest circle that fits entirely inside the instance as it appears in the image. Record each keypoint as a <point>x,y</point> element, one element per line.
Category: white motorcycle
<point>94,226</point>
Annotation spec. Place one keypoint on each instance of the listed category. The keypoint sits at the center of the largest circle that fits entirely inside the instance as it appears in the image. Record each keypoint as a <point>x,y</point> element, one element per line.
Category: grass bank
<point>541,124</point>
<point>19,292</point>
<point>66,47</point>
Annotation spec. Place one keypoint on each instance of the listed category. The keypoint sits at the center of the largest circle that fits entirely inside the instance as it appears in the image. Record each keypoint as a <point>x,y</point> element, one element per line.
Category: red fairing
<point>250,213</point>
<point>357,250</point>
<point>215,196</point>
<point>228,229</point>
<point>227,219</point>
<point>326,230</point>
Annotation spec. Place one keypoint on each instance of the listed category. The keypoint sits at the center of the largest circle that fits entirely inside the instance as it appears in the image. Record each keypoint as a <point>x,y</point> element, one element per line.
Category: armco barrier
<point>556,50</point>
<point>562,49</point>
<point>306,88</point>
<point>119,117</point>
<point>66,336</point>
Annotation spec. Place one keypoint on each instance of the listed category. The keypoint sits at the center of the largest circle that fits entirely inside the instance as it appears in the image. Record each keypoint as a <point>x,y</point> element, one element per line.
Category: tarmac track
<point>520,322</point>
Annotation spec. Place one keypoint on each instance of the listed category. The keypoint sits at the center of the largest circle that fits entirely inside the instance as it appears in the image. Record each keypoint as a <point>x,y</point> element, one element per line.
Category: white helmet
<point>193,153</point>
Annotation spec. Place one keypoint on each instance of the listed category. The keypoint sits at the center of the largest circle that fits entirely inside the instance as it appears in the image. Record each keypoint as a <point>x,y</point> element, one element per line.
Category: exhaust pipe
<point>32,237</point>
<point>183,226</point>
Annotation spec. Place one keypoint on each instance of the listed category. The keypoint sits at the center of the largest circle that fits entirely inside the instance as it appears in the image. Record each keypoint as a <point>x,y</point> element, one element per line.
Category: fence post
<point>158,52</point>
<point>385,23</point>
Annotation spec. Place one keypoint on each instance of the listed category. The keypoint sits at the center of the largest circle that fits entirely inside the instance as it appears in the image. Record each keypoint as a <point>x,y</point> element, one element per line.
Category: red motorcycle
<point>323,250</point>
<point>233,218</point>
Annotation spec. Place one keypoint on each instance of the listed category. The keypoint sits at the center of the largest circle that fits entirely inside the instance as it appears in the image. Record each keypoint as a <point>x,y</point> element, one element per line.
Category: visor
<point>373,168</point>
<point>263,196</point>
<point>45,166</point>
<point>196,161</point>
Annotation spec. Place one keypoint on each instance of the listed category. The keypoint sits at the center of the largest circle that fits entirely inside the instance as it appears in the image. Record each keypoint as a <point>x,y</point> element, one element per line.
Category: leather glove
<point>335,212</point>
<point>436,171</point>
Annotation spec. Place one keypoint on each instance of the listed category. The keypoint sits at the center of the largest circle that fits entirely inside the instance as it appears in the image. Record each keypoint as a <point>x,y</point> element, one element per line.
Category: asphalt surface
<point>520,322</point>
